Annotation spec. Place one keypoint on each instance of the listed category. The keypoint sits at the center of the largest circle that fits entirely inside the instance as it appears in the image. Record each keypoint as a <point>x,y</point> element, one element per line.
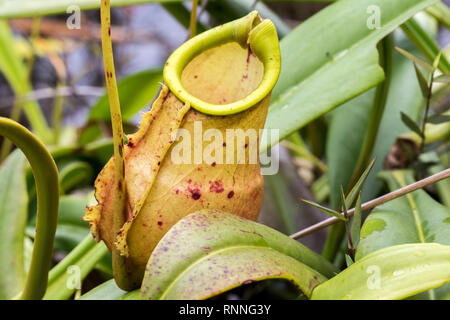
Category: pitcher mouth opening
<point>227,69</point>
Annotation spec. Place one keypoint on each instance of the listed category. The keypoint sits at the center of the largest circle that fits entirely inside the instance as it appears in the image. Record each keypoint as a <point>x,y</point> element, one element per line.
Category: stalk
<point>47,189</point>
<point>119,262</point>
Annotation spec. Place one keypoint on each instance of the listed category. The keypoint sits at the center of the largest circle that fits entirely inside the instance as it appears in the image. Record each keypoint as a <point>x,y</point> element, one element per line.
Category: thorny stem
<point>376,202</point>
<point>119,262</point>
<point>193,21</point>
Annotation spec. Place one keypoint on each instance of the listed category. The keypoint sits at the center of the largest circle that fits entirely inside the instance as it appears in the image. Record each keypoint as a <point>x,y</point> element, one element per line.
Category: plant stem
<point>336,233</point>
<point>377,111</point>
<point>427,109</point>
<point>193,21</point>
<point>119,262</point>
<point>376,202</point>
<point>47,189</point>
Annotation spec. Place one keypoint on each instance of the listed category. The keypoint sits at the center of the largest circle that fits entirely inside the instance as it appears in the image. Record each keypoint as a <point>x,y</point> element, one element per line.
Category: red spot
<point>216,187</point>
<point>195,193</point>
<point>195,76</point>
<point>189,181</point>
<point>230,194</point>
<point>109,31</point>
<point>160,223</point>
<point>224,144</point>
<point>213,164</point>
<point>159,163</point>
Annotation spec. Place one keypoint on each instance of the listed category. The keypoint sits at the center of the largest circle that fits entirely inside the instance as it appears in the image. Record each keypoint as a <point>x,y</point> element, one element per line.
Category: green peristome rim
<point>262,38</point>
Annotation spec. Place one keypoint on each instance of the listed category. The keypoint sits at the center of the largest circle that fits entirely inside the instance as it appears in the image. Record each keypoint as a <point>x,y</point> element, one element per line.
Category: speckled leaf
<point>209,252</point>
<point>13,217</point>
<point>413,218</point>
<point>395,272</point>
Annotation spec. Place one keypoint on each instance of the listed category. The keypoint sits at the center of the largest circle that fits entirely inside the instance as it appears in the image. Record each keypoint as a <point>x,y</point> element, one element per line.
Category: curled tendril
<point>45,174</point>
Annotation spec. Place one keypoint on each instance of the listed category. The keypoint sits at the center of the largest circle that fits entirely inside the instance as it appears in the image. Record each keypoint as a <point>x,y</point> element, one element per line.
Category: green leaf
<point>416,60</point>
<point>326,210</point>
<point>410,123</point>
<point>283,205</point>
<point>441,12</point>
<point>345,137</point>
<point>356,224</point>
<point>422,82</point>
<point>415,217</point>
<point>443,78</point>
<point>357,188</point>
<point>76,265</point>
<point>13,217</point>
<point>334,46</point>
<point>349,122</point>
<point>219,251</point>
<point>395,272</point>
<point>135,92</point>
<point>426,44</point>
<point>75,174</point>
<point>439,118</point>
<point>348,260</point>
<point>108,290</point>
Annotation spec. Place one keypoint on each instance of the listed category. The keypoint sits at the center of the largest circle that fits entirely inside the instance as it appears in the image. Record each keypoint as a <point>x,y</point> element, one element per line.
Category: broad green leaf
<point>443,186</point>
<point>395,272</point>
<point>441,12</point>
<point>13,217</point>
<point>426,44</point>
<point>135,91</point>
<point>71,229</point>
<point>33,8</point>
<point>335,46</point>
<point>108,290</point>
<point>349,122</point>
<point>237,250</point>
<point>62,281</point>
<point>345,137</point>
<point>75,174</point>
<point>415,217</point>
<point>284,207</point>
